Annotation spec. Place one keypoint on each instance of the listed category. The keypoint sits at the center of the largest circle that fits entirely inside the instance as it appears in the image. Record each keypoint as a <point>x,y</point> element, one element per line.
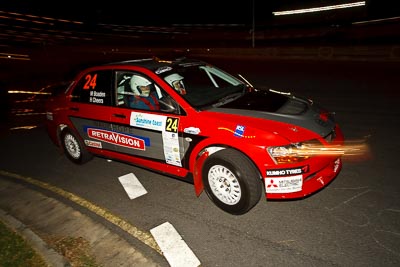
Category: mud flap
<point>197,179</point>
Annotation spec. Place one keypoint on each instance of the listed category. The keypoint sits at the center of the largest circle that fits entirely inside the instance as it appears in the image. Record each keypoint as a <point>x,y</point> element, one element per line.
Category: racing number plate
<point>284,184</point>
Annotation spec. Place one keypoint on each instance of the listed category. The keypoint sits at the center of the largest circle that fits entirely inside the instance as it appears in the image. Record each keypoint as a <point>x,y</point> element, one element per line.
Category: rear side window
<point>94,88</point>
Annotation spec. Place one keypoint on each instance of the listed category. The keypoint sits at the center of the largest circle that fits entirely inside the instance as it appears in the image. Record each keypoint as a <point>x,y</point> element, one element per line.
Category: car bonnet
<point>282,108</point>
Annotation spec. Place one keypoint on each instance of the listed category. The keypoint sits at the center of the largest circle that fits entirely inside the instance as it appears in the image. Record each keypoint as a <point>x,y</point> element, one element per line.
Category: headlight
<point>293,153</point>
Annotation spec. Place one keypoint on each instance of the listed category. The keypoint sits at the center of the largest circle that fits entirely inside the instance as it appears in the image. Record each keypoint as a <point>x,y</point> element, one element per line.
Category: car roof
<point>156,63</point>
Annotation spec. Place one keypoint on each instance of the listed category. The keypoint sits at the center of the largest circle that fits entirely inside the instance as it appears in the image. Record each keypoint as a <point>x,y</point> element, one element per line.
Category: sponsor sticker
<point>239,131</point>
<point>93,143</point>
<point>284,184</point>
<point>285,180</point>
<point>171,141</point>
<point>192,130</point>
<point>116,138</point>
<point>168,126</point>
<point>148,121</point>
<point>287,172</point>
<point>336,165</point>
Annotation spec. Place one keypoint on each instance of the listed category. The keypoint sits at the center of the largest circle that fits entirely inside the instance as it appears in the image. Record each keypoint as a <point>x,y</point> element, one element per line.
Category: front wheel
<point>231,181</point>
<point>74,149</point>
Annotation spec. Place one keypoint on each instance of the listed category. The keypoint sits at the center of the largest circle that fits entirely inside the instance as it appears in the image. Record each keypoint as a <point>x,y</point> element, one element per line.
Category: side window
<point>136,91</point>
<point>167,103</point>
<point>123,91</point>
<point>94,88</point>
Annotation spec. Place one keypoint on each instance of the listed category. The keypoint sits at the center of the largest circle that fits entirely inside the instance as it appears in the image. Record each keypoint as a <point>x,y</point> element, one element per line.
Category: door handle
<point>119,116</point>
<point>74,109</point>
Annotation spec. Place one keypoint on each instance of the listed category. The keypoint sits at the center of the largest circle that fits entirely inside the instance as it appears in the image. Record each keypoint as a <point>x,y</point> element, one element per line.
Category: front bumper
<point>301,185</point>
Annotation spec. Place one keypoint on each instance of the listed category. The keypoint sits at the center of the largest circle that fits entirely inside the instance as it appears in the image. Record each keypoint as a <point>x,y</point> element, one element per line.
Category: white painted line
<point>132,185</point>
<point>174,248</point>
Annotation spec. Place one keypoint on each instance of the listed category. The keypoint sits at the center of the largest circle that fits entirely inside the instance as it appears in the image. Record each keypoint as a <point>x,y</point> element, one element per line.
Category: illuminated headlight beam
<point>318,9</point>
<point>295,153</point>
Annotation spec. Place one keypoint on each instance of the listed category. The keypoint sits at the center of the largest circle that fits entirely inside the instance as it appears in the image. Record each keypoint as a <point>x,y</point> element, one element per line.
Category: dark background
<point>347,61</point>
<point>24,22</point>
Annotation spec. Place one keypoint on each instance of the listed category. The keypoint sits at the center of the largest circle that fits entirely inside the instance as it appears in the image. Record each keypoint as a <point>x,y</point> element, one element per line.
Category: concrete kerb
<point>48,217</point>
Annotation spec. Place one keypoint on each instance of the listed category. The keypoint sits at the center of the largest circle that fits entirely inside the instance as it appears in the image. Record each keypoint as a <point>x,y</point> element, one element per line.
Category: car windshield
<point>207,86</point>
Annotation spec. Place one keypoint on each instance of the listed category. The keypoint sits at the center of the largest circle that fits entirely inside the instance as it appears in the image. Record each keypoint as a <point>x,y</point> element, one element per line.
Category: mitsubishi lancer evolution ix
<point>194,121</point>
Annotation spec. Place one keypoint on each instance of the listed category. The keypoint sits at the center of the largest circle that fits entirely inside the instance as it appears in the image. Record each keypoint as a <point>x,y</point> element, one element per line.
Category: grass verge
<point>16,251</point>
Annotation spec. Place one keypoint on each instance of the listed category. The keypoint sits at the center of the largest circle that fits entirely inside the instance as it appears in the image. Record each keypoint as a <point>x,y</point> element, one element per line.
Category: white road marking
<point>132,185</point>
<point>174,248</point>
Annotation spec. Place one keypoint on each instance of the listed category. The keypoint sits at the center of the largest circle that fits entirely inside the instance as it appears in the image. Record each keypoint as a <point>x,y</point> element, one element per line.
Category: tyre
<point>231,181</point>
<point>74,149</point>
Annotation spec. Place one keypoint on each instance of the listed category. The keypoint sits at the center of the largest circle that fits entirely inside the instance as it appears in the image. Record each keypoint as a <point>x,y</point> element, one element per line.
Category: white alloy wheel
<point>72,146</point>
<point>74,149</point>
<point>224,185</point>
<point>231,181</point>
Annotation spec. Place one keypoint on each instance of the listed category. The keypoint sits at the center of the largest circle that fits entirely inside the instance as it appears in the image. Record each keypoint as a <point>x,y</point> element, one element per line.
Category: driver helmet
<point>140,86</point>
<point>176,81</point>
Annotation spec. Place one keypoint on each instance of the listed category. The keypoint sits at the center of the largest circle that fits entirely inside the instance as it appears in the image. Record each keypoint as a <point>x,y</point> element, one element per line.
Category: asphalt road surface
<point>355,221</point>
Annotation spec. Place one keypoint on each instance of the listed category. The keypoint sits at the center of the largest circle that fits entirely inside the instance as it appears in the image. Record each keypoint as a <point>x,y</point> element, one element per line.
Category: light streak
<point>28,92</point>
<point>14,56</point>
<point>351,148</point>
<point>318,9</point>
<point>28,127</point>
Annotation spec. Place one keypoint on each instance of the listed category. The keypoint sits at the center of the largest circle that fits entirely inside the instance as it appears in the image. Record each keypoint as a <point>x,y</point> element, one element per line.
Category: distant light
<point>34,18</point>
<point>318,9</point>
<point>27,92</point>
<point>14,56</point>
<point>375,20</point>
<point>30,113</point>
<point>28,127</point>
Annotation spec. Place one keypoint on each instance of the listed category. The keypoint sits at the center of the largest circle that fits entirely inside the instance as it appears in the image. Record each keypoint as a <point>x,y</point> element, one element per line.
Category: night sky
<point>140,12</point>
<point>178,12</point>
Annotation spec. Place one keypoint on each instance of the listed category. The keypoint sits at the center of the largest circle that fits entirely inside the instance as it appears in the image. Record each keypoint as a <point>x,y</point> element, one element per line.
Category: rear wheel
<point>231,181</point>
<point>74,149</point>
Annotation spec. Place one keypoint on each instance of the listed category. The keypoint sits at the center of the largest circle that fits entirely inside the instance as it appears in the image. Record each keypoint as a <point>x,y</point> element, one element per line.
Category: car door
<point>144,133</point>
<point>91,108</point>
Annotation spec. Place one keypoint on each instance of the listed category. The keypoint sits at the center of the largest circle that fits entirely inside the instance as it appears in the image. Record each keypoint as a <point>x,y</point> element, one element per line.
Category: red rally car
<point>192,120</point>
